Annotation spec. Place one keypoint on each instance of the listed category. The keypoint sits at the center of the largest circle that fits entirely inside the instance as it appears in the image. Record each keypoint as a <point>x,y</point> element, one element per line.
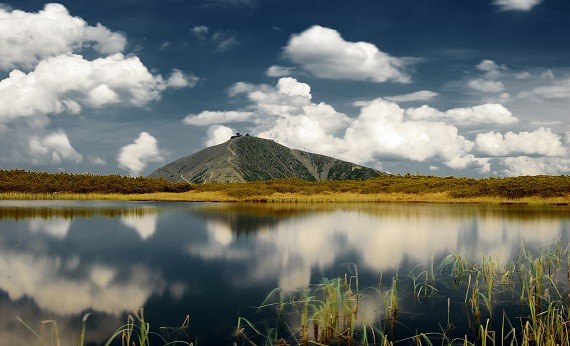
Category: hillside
<point>249,158</point>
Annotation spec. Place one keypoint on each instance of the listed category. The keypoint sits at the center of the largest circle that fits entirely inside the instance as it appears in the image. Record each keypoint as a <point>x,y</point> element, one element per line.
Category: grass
<point>135,332</point>
<point>17,184</point>
<point>336,197</point>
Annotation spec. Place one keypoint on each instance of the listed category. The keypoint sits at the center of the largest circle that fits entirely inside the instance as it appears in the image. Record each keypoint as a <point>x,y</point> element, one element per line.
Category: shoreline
<point>277,198</point>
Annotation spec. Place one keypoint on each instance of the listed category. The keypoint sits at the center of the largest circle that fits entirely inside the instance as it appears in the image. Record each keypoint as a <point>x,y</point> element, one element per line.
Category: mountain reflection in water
<point>60,259</point>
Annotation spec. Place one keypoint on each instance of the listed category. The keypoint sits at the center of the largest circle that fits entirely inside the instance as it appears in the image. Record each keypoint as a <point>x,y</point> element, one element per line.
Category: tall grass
<point>135,332</point>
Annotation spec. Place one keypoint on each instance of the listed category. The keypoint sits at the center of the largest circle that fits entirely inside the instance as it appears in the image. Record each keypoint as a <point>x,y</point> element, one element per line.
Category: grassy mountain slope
<point>251,158</point>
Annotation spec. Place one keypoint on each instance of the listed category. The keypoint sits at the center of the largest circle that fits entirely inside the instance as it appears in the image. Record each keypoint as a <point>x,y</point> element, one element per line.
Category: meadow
<point>19,184</point>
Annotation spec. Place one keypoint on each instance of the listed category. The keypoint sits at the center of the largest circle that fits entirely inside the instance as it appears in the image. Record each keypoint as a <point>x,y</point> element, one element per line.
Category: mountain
<point>248,158</point>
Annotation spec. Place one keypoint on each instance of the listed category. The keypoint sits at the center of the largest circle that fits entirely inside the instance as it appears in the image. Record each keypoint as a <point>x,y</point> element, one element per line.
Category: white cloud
<point>548,75</point>
<point>53,148</point>
<point>540,142</point>
<point>559,89</point>
<point>98,161</point>
<point>135,156</point>
<point>179,79</point>
<point>522,75</point>
<point>285,113</point>
<point>491,69</point>
<point>517,5</point>
<point>69,82</point>
<point>206,118</point>
<point>524,165</point>
<point>486,86</point>
<point>423,95</point>
<point>290,86</point>
<point>380,131</point>
<point>200,31</point>
<point>27,38</point>
<point>279,71</point>
<point>486,114</point>
<point>218,134</point>
<point>325,54</point>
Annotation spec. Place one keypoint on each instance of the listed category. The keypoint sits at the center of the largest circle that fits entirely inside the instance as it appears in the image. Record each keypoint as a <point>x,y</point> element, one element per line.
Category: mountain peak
<point>249,158</point>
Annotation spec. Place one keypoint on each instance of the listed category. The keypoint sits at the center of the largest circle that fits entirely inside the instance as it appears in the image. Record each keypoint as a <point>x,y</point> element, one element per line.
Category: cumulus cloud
<point>67,83</point>
<point>541,142</point>
<point>325,54</point>
<point>487,114</point>
<point>558,89</point>
<point>423,95</point>
<point>48,76</point>
<point>218,134</point>
<point>516,5</point>
<point>286,113</point>
<point>209,118</point>
<point>279,71</point>
<point>486,86</point>
<point>52,148</point>
<point>493,90</point>
<point>524,165</point>
<point>179,79</point>
<point>27,38</point>
<point>380,130</point>
<point>135,156</point>
<point>491,69</point>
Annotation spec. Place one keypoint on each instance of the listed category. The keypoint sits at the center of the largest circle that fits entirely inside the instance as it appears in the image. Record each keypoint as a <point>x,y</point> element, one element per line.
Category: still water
<point>215,262</point>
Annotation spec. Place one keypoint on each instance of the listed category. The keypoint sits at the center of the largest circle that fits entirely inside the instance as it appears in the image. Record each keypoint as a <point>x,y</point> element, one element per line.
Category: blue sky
<point>443,87</point>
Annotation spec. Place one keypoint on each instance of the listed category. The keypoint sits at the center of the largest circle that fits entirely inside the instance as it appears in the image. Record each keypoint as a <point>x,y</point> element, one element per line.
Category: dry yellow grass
<point>339,197</point>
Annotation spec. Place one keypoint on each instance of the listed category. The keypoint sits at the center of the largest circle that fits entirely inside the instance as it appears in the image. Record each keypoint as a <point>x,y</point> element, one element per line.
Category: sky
<point>472,88</point>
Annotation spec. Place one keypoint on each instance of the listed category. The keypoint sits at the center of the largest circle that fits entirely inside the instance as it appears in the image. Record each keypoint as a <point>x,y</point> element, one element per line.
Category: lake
<point>216,262</point>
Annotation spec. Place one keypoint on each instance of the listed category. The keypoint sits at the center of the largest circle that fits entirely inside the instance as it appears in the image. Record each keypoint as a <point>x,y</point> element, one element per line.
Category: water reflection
<point>61,259</point>
<point>383,237</point>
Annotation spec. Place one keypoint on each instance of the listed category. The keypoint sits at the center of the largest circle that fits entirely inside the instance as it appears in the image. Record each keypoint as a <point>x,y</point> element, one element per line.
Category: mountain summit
<point>248,158</point>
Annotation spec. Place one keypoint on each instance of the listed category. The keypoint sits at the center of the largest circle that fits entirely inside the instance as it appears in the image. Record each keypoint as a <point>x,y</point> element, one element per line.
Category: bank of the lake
<point>338,197</point>
<point>18,184</point>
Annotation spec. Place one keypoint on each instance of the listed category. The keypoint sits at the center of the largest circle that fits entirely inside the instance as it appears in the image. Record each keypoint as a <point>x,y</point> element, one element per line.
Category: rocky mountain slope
<point>249,158</point>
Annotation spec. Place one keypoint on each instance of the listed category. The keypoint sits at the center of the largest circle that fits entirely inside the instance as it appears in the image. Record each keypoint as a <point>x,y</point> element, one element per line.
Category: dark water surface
<point>215,262</point>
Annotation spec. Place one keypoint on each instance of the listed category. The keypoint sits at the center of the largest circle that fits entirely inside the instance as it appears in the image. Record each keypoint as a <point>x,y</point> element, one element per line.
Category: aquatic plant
<point>135,332</point>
